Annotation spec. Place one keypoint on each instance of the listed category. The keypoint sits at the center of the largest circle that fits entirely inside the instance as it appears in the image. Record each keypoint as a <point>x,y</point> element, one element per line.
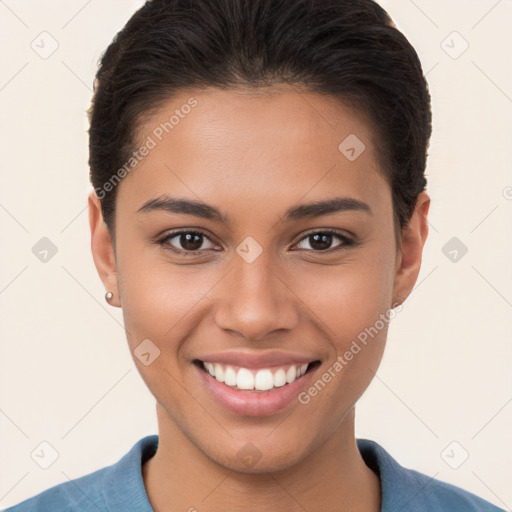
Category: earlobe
<point>414,236</point>
<point>102,249</point>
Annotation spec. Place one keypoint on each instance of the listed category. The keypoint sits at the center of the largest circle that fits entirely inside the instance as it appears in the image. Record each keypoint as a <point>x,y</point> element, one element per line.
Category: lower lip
<point>255,403</point>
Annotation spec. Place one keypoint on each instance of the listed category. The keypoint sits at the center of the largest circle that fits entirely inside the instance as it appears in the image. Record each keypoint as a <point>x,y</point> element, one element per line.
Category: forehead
<point>266,145</point>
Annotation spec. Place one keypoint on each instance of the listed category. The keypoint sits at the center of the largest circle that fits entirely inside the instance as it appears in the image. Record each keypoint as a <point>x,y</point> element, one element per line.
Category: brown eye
<point>186,242</point>
<point>321,241</point>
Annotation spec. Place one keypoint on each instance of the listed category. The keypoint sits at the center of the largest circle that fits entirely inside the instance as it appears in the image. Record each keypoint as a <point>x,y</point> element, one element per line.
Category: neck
<point>334,477</point>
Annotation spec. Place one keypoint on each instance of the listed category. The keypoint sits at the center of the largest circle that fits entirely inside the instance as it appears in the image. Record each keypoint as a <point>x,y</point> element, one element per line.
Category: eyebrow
<point>206,211</point>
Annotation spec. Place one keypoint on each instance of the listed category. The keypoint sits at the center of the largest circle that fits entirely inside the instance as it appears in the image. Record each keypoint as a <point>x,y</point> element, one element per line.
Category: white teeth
<point>244,379</point>
<point>291,374</point>
<point>230,376</point>
<point>262,380</point>
<point>219,372</point>
<point>279,378</point>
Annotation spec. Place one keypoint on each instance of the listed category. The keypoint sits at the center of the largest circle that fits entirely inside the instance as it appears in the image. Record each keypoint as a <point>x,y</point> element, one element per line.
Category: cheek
<point>160,300</point>
<point>352,303</point>
<point>353,311</point>
<point>352,296</point>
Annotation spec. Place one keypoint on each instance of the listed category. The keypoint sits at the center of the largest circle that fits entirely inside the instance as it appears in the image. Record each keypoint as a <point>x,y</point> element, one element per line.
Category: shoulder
<point>118,487</point>
<point>406,489</point>
<point>82,493</point>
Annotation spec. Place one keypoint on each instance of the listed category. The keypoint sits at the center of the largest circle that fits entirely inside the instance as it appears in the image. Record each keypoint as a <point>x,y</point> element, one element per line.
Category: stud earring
<point>108,296</point>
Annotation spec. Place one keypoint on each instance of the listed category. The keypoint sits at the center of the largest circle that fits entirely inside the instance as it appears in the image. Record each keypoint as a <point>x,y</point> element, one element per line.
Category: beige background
<point>66,376</point>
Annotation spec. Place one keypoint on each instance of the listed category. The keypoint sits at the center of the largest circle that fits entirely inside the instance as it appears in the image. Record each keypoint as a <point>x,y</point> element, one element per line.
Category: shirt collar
<point>123,485</point>
<point>399,485</point>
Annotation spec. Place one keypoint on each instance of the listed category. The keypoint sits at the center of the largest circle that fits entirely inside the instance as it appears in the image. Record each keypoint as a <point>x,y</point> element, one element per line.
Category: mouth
<point>259,391</point>
<point>255,379</point>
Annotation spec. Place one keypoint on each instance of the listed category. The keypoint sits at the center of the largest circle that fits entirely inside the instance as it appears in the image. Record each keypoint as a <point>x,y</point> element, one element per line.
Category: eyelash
<point>347,242</point>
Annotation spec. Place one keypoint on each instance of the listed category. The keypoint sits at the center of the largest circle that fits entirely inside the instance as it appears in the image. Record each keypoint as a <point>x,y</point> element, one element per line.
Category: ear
<point>102,249</point>
<point>414,235</point>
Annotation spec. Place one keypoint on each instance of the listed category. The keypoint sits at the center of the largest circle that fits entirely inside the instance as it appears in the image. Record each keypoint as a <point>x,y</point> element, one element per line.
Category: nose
<point>256,300</point>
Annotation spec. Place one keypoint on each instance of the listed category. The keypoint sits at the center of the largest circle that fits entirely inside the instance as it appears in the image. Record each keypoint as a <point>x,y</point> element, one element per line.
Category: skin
<point>253,156</point>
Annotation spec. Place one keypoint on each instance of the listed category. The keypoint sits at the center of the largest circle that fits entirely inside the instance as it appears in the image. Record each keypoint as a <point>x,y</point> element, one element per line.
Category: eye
<point>189,242</point>
<point>321,241</point>
<point>192,242</point>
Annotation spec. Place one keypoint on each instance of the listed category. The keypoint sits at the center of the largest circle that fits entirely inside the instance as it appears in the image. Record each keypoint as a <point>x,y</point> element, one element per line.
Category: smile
<point>262,379</point>
<point>257,383</point>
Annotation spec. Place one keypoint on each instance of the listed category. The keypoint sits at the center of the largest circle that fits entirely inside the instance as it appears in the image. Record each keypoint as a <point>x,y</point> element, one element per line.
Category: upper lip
<point>257,359</point>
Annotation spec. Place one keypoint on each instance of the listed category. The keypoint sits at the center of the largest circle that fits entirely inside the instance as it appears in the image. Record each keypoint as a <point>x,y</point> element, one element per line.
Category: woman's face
<point>260,271</point>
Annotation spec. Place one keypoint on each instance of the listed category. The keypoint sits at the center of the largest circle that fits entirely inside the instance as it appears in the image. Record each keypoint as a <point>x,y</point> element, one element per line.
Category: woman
<point>259,213</point>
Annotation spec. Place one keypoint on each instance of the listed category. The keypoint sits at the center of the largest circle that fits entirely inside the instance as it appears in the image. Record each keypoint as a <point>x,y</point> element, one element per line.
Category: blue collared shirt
<point>120,487</point>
